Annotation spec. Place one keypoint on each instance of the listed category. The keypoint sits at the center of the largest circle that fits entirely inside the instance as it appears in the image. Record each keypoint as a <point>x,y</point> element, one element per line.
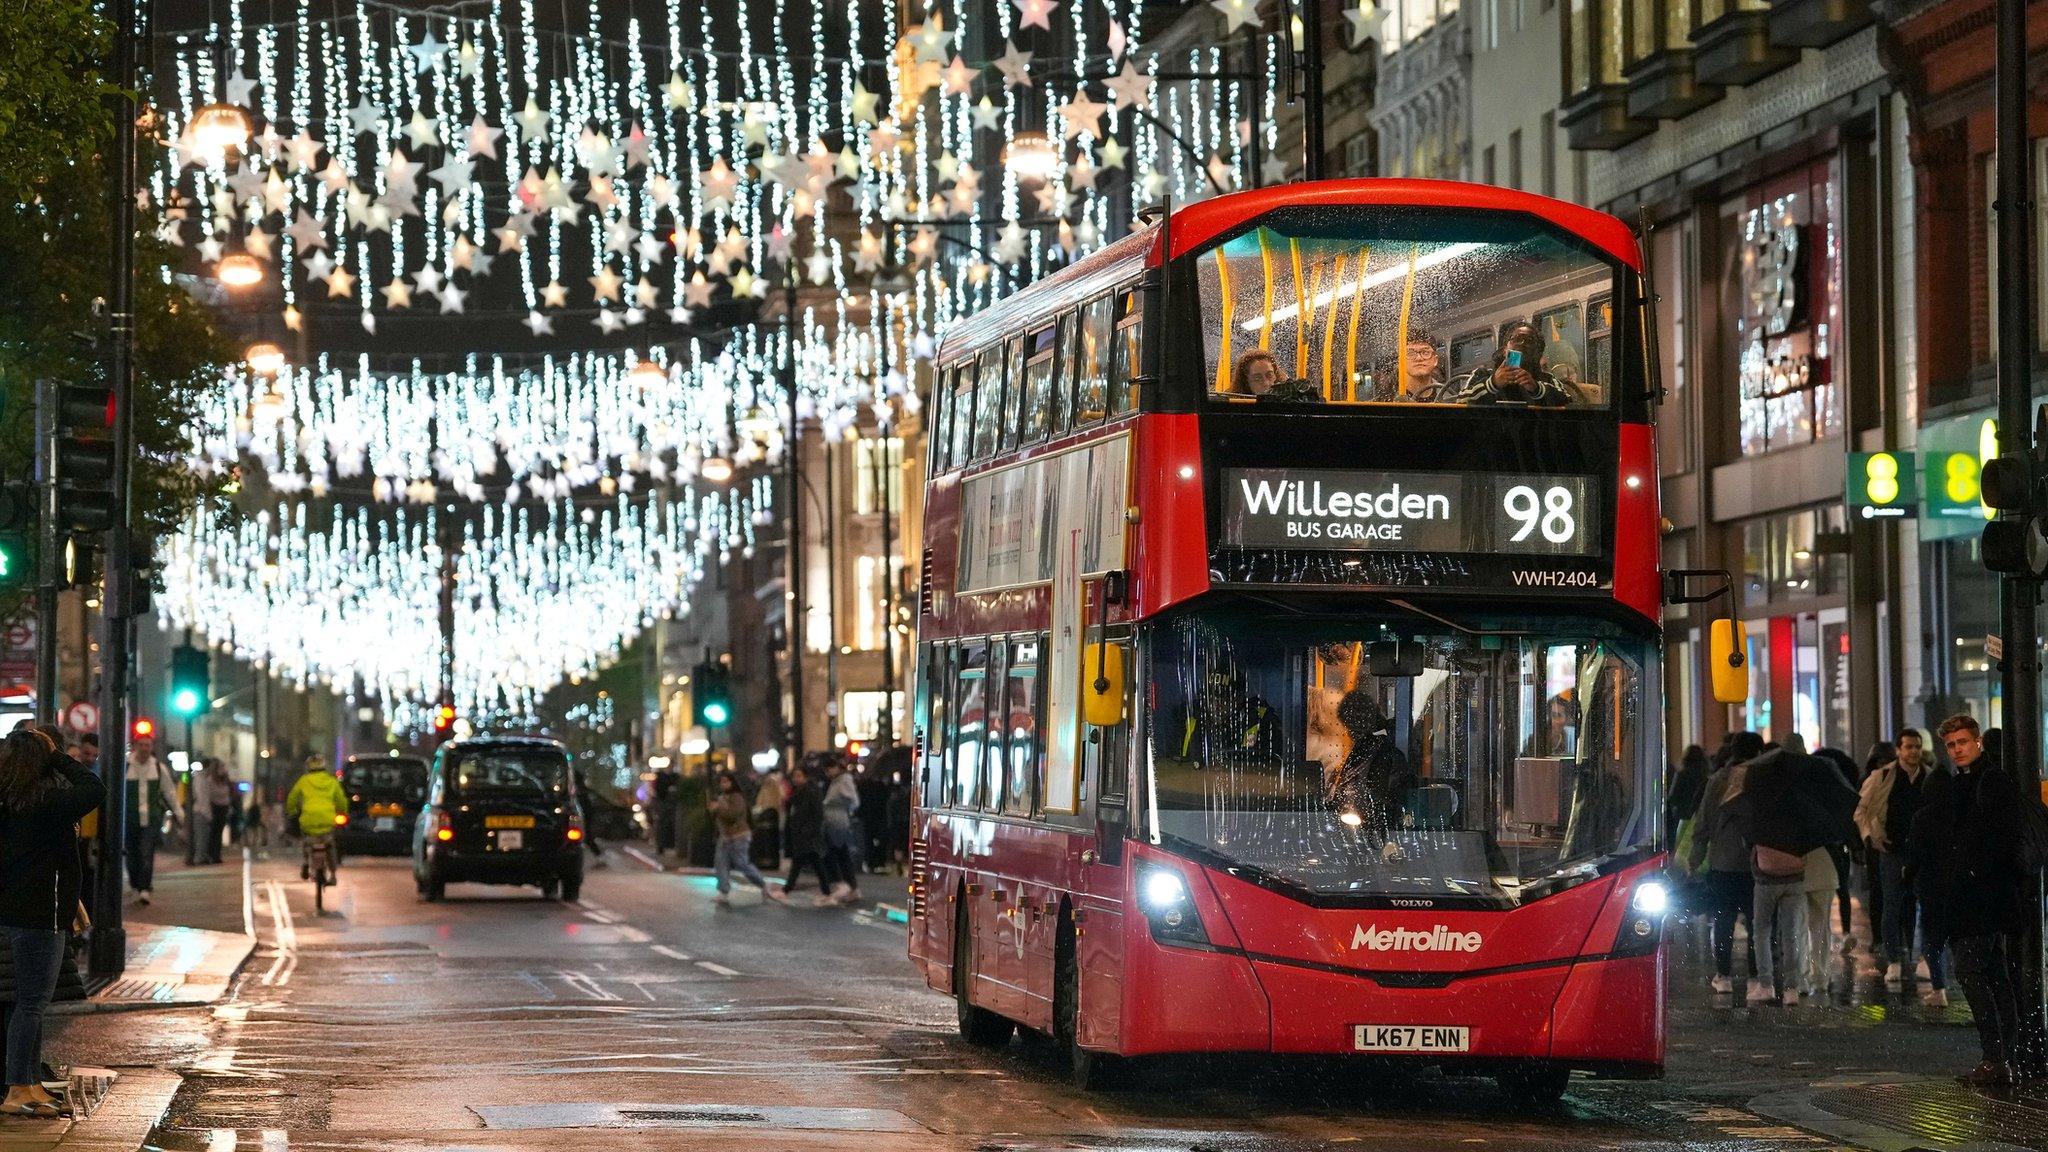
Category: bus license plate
<point>511,841</point>
<point>1410,1038</point>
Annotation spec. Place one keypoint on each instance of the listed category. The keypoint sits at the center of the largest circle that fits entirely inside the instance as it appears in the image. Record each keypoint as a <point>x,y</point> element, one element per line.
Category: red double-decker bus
<point>1288,658</point>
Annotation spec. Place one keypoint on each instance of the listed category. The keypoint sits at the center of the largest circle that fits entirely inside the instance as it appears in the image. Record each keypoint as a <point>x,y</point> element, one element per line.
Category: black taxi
<point>384,798</point>
<point>500,810</point>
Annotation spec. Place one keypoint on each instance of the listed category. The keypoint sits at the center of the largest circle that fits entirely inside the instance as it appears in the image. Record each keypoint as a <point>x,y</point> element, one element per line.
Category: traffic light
<point>191,669</point>
<point>2016,485</point>
<point>713,694</point>
<point>444,722</point>
<point>82,458</point>
<point>144,728</point>
<point>17,569</point>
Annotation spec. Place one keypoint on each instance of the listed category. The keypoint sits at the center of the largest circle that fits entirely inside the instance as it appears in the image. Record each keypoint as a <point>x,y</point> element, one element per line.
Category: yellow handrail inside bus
<point>1266,258</point>
<point>1357,304</point>
<point>1302,316</point>
<point>1330,322</point>
<point>1407,305</point>
<point>1223,290</point>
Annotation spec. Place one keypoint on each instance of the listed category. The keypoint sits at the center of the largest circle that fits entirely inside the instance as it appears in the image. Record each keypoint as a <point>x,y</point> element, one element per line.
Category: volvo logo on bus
<point>1436,938</point>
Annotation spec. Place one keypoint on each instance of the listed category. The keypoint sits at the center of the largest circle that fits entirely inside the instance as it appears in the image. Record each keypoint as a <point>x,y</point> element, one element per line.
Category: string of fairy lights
<point>362,160</point>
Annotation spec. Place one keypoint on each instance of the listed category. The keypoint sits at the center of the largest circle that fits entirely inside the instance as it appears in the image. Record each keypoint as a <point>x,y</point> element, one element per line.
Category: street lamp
<point>265,358</point>
<point>1030,155</point>
<point>239,270</point>
<point>218,129</point>
<point>647,374</point>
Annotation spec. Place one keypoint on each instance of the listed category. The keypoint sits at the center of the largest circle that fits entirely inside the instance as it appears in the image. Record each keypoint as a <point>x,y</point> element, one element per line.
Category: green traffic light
<point>715,713</point>
<point>185,702</point>
<point>15,568</point>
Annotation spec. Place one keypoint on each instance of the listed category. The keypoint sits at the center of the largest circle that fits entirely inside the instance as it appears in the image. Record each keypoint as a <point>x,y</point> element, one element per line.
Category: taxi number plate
<point>387,823</point>
<point>511,841</point>
<point>1410,1038</point>
<point>508,821</point>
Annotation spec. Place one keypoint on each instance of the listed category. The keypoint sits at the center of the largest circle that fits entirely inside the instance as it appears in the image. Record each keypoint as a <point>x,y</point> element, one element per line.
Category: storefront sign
<point>1955,489</point>
<point>1330,510</point>
<point>1881,485</point>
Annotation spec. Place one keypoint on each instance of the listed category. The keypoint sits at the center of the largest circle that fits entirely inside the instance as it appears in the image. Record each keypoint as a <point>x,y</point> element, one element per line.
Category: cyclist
<point>314,802</point>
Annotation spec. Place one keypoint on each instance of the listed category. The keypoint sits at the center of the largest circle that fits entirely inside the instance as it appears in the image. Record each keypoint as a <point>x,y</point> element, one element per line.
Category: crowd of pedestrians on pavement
<point>1773,836</point>
<point>829,816</point>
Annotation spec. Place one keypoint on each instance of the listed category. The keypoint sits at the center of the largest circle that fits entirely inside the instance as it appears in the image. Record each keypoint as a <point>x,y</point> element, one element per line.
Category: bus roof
<point>1197,224</point>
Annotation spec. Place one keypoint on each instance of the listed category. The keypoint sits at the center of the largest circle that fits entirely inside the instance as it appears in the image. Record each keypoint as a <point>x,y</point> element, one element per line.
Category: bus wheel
<point>978,1026</point>
<point>1535,1084</point>
<point>1088,1071</point>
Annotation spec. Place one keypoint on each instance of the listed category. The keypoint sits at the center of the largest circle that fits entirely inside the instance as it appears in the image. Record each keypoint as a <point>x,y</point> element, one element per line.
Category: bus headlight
<point>1169,910</point>
<point>1642,929</point>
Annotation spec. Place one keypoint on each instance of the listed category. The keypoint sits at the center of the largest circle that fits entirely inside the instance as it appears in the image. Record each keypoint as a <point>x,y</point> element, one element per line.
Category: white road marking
<point>286,937</point>
<point>222,1140</point>
<point>719,969</point>
<point>583,983</point>
<point>671,953</point>
<point>600,917</point>
<point>274,1140</point>
<point>248,896</point>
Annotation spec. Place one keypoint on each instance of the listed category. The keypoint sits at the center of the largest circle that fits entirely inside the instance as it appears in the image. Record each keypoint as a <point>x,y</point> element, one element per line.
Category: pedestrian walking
<point>1688,784</point>
<point>1817,887</point>
<point>1891,799</point>
<point>1965,845</point>
<point>803,833</point>
<point>1881,754</point>
<point>218,791</point>
<point>842,846</point>
<point>1720,858</point>
<point>731,819</point>
<point>43,795</point>
<point>152,794</point>
<point>1791,805</point>
<point>585,809</point>
<point>770,796</point>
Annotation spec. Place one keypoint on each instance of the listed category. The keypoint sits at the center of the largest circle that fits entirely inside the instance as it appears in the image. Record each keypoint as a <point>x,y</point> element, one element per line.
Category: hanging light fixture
<point>265,358</point>
<point>238,270</point>
<point>1030,155</point>
<point>716,469</point>
<point>648,374</point>
<point>218,129</point>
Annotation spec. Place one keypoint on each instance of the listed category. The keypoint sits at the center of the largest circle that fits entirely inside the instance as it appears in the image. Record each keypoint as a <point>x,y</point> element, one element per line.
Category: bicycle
<point>319,852</point>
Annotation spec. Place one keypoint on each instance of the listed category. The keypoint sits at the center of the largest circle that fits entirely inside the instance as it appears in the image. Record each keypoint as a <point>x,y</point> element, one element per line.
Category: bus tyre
<point>572,889</point>
<point>1535,1085</point>
<point>978,1026</point>
<point>434,888</point>
<point>551,889</point>
<point>1086,1070</point>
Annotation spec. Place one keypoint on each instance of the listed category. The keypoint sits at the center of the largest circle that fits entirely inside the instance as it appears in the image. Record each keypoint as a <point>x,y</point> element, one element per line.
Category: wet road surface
<point>646,1017</point>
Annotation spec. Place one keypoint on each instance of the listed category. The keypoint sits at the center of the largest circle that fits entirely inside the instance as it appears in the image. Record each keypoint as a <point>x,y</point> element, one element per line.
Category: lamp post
<point>793,615</point>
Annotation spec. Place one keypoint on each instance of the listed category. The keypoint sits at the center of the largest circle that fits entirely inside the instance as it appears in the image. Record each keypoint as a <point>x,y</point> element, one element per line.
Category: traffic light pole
<point>49,567</point>
<point>109,951</point>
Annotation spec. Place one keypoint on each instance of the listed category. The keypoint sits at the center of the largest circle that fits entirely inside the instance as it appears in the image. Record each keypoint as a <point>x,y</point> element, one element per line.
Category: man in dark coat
<point>1965,848</point>
<point>803,832</point>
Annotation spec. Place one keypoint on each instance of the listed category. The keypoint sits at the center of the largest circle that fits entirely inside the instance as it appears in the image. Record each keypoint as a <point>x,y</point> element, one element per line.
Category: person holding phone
<point>43,796</point>
<point>1516,374</point>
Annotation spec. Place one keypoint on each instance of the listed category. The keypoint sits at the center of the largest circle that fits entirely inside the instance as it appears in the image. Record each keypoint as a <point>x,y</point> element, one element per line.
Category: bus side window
<point>961,426</point>
<point>998,727</point>
<point>1037,414</point>
<point>1025,748</point>
<point>939,411</point>
<point>1091,394</point>
<point>970,724</point>
<point>1013,397</point>
<point>1063,376</point>
<point>938,725</point>
<point>988,402</point>
<point>1123,391</point>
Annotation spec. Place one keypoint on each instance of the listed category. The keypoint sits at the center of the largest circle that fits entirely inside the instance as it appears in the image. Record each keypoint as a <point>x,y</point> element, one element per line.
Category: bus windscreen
<point>1401,762</point>
<point>1408,306</point>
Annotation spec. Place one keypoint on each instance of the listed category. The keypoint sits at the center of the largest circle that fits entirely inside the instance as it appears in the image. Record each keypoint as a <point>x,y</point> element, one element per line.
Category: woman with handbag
<point>43,795</point>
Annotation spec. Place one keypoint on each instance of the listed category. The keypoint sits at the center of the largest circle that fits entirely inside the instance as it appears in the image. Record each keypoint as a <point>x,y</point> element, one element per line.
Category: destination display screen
<point>1431,512</point>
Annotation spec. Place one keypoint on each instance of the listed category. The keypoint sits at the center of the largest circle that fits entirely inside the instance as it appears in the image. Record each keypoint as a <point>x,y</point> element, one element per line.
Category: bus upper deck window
<point>1389,306</point>
<point>1091,390</point>
<point>1063,376</point>
<point>988,402</point>
<point>1011,417</point>
<point>962,430</point>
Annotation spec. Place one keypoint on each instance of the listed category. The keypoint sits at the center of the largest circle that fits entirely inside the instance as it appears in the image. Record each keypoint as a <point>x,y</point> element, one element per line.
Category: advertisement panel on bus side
<point>1013,520</point>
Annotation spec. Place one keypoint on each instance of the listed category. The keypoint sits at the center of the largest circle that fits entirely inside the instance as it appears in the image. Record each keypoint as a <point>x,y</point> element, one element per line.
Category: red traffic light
<point>444,717</point>
<point>145,728</point>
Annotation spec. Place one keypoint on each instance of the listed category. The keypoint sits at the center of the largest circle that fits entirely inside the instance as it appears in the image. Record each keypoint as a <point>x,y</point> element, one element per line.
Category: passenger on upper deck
<point>1516,375</point>
<point>1421,372</point>
<point>1257,375</point>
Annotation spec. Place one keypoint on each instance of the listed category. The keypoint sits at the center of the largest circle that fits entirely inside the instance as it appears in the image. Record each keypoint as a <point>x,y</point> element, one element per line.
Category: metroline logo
<point>1437,938</point>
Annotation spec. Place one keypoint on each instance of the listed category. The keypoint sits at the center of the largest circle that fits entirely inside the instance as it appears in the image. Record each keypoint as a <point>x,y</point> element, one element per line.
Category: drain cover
<point>545,1116</point>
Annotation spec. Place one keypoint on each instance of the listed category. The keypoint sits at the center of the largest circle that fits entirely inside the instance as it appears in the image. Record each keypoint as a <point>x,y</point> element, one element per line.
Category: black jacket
<point>1796,803</point>
<point>39,849</point>
<point>1965,852</point>
<point>804,834</point>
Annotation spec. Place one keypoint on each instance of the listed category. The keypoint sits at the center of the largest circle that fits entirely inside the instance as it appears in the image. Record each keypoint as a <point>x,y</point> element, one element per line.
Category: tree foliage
<point>56,252</point>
